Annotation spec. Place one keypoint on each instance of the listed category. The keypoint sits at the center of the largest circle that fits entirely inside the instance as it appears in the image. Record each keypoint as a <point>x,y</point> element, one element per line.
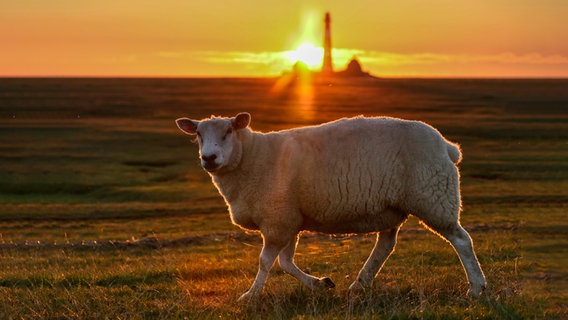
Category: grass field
<point>105,212</point>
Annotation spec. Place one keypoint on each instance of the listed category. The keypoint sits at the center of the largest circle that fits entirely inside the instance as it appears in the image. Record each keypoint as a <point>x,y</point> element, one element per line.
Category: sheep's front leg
<point>386,241</point>
<point>286,261</point>
<point>267,257</point>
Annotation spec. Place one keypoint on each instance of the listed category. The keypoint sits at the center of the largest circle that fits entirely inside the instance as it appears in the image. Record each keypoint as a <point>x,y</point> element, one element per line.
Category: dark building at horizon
<point>327,66</point>
<point>353,69</point>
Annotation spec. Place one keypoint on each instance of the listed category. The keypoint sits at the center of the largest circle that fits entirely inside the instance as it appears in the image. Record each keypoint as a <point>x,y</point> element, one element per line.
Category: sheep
<point>353,175</point>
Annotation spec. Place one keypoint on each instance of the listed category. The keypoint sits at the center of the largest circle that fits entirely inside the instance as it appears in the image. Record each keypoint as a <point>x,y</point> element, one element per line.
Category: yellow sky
<point>426,38</point>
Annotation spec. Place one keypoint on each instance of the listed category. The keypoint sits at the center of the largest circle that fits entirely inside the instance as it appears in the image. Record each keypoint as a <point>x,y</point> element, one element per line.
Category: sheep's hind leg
<point>286,261</point>
<point>384,246</point>
<point>461,241</point>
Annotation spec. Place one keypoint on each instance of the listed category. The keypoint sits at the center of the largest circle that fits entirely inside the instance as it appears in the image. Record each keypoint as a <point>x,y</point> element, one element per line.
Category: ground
<point>105,212</point>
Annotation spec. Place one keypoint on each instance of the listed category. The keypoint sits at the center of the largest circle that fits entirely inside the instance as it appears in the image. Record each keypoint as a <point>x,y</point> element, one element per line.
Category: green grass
<point>109,214</point>
<point>422,279</point>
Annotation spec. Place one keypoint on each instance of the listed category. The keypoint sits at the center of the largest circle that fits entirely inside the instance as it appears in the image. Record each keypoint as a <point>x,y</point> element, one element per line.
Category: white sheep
<point>355,175</point>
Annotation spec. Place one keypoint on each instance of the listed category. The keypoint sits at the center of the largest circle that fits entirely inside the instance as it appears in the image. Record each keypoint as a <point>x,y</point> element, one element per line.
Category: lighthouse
<point>327,67</point>
<point>352,71</point>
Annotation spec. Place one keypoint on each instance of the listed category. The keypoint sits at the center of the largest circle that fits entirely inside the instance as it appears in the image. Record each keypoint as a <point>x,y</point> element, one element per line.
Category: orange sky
<point>425,38</point>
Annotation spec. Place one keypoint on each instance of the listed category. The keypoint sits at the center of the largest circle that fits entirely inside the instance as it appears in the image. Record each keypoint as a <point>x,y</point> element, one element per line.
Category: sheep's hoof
<point>476,291</point>
<point>248,297</point>
<point>356,287</point>
<point>328,283</point>
<point>322,284</point>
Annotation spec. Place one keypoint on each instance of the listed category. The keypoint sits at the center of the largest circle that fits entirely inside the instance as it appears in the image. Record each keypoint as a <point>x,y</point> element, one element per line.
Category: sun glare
<point>307,53</point>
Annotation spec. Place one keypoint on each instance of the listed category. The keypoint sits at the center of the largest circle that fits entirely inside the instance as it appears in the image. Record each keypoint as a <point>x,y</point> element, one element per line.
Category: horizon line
<point>375,77</point>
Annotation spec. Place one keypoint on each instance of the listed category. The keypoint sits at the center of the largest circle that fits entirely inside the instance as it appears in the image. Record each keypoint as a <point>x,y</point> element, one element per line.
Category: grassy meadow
<point>106,213</point>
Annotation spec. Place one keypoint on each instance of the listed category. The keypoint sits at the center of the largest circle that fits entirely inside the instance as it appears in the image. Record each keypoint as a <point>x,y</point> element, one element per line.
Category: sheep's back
<point>356,169</point>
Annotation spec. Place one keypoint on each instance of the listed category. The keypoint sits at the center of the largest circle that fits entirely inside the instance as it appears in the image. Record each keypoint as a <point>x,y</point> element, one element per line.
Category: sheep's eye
<point>229,131</point>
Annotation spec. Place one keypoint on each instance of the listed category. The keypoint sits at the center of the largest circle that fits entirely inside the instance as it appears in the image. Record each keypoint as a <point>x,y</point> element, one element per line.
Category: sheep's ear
<point>187,125</point>
<point>241,121</point>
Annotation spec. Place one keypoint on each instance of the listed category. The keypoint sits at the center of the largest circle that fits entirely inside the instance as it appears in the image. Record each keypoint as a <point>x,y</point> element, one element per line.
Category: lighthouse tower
<point>327,67</point>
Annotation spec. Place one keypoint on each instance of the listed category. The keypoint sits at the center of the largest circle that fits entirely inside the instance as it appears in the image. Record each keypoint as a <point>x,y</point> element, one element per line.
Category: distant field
<point>105,212</point>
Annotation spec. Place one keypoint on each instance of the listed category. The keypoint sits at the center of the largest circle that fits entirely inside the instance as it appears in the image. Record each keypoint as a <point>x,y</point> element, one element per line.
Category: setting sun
<point>307,53</point>
<point>264,38</point>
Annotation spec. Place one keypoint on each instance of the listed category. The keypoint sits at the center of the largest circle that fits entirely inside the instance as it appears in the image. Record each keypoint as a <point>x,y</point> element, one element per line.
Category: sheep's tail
<point>454,152</point>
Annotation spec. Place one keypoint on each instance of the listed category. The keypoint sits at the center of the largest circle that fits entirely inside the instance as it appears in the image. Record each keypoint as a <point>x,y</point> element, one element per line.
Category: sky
<point>257,38</point>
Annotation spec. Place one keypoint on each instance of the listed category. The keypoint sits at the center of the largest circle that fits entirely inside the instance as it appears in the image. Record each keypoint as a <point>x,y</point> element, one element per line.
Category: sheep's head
<point>218,138</point>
